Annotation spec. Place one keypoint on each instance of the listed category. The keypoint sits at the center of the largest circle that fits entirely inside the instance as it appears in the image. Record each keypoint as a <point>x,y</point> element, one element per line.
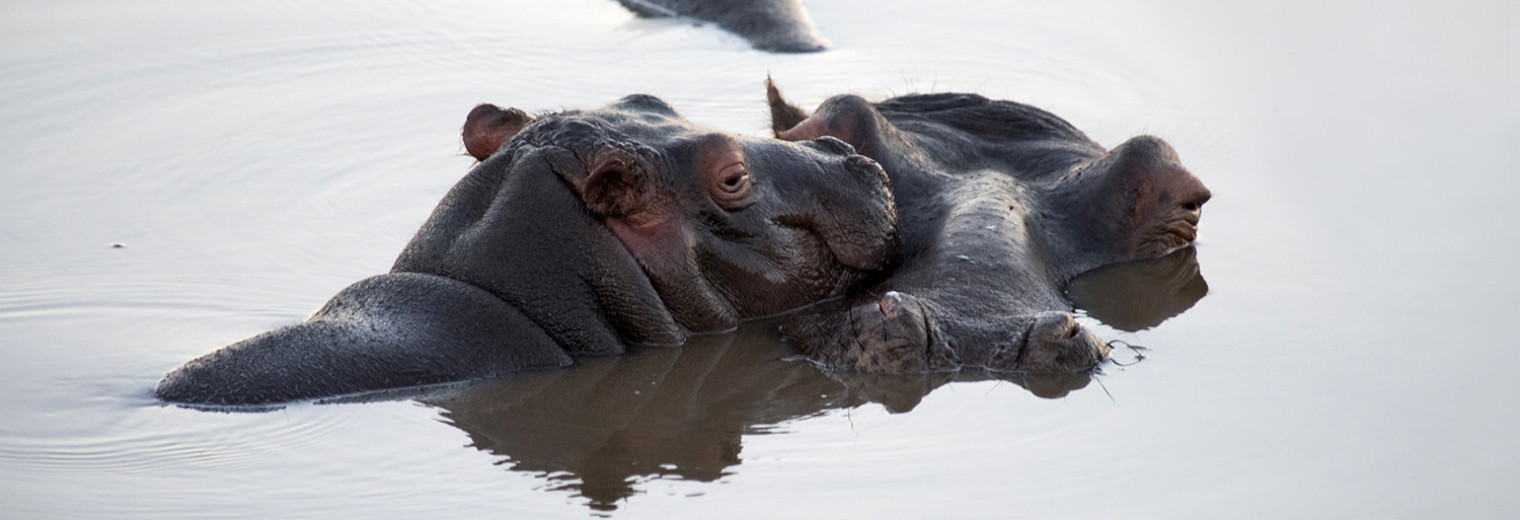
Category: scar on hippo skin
<point>579,234</point>
<point>1000,205</point>
<point>769,25</point>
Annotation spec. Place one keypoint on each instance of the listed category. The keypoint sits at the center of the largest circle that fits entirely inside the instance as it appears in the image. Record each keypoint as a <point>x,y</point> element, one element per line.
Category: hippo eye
<point>731,186</point>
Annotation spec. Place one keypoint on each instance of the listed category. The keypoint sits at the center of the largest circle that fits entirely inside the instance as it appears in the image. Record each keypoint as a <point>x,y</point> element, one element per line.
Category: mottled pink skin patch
<point>657,242</point>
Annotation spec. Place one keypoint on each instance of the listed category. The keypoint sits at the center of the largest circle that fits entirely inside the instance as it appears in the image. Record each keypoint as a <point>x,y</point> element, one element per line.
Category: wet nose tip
<point>1195,200</point>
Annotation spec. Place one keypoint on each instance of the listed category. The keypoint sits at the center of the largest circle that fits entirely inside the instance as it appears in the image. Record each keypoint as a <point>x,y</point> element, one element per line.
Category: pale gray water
<point>1355,356</point>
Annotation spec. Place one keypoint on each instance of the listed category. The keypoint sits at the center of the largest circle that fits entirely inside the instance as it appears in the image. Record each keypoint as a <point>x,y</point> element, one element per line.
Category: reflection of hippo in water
<point>603,428</point>
<point>1138,295</point>
<point>769,25</point>
<point>600,429</point>
<point>1000,205</point>
<point>586,231</point>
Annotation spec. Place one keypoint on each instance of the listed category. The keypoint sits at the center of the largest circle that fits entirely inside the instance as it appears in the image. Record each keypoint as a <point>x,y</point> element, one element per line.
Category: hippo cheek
<point>710,283</point>
<point>663,247</point>
<point>794,269</point>
<point>515,228</point>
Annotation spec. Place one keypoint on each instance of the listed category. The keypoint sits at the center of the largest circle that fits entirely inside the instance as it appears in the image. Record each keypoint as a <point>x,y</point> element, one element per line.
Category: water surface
<point>1352,357</point>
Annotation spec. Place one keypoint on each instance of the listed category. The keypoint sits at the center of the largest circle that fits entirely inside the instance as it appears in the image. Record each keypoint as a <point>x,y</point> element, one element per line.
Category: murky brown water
<point>1352,357</point>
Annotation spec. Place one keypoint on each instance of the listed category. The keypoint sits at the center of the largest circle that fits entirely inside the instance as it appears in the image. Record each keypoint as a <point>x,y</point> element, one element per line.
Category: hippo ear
<point>848,117</point>
<point>784,115</point>
<point>488,126</point>
<point>615,187</point>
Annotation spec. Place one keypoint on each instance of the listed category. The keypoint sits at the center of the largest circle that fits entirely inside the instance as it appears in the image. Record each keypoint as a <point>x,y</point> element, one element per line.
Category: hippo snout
<point>1156,164</point>
<point>1057,343</point>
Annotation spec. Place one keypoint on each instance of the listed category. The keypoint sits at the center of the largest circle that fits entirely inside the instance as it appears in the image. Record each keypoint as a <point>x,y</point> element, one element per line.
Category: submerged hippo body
<point>1000,205</point>
<point>580,233</point>
<point>768,25</point>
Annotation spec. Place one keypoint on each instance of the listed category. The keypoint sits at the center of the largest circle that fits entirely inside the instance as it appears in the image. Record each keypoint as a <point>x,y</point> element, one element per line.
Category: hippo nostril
<point>1057,343</point>
<point>1055,326</point>
<point>1194,197</point>
<point>1071,332</point>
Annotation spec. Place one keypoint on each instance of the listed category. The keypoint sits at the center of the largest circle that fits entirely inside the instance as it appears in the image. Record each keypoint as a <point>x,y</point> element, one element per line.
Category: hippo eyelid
<point>723,171</point>
<point>730,186</point>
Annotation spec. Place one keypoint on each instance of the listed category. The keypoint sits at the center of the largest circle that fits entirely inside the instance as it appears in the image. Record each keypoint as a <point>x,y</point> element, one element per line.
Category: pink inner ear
<point>810,128</point>
<point>843,127</point>
<point>488,126</point>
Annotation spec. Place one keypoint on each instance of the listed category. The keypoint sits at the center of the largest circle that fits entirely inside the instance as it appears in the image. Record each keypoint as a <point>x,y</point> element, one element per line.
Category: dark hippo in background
<point>582,232</point>
<point>769,25</point>
<point>1000,205</point>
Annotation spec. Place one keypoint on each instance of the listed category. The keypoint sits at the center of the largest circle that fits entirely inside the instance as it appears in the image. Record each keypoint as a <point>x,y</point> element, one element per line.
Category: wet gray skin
<point>768,25</point>
<point>578,234</point>
<point>1000,205</point>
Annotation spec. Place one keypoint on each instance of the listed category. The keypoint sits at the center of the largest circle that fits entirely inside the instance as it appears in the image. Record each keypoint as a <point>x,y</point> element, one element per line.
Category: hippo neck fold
<point>566,272</point>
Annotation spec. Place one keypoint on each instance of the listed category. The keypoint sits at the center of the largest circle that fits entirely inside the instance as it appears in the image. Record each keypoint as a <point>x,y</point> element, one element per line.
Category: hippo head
<point>1003,205</point>
<point>578,234</point>
<point>677,229</point>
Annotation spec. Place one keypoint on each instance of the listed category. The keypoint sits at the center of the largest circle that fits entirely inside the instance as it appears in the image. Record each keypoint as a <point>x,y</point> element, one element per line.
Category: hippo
<point>579,234</point>
<point>769,25</point>
<point>1000,205</point>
